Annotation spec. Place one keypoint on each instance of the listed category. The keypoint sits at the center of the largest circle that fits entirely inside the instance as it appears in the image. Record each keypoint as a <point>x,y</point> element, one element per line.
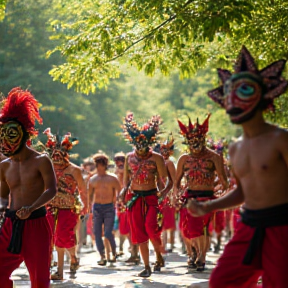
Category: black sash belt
<point>199,193</point>
<point>261,219</point>
<point>18,226</point>
<point>140,193</point>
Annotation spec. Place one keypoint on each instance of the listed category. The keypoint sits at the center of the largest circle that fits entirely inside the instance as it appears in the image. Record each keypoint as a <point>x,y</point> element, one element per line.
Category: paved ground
<point>90,275</point>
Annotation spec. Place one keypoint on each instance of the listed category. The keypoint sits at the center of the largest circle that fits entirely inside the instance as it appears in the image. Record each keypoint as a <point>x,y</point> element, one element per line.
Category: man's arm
<point>229,200</point>
<point>116,190</point>
<point>179,175</point>
<point>163,175</point>
<point>82,188</point>
<point>91,191</point>
<point>126,176</point>
<point>126,181</point>
<point>49,178</point>
<point>171,171</point>
<point>220,169</point>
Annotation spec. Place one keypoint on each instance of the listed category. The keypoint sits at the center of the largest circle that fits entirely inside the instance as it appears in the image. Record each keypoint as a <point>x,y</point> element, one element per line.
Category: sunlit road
<point>120,274</point>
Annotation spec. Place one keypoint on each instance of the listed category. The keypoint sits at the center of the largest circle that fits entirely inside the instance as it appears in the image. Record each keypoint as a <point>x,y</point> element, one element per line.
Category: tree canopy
<point>163,35</point>
<point>167,36</point>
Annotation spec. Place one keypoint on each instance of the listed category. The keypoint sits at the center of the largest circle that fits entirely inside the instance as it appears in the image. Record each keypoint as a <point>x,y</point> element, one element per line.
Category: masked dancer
<point>69,202</point>
<point>198,168</point>
<point>142,167</point>
<point>124,227</point>
<point>166,149</point>
<point>28,180</point>
<point>260,166</point>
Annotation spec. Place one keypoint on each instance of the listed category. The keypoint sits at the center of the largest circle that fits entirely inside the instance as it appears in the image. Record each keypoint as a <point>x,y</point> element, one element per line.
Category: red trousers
<point>231,273</point>
<point>169,221</point>
<point>35,252</point>
<point>193,227</point>
<point>143,220</point>
<point>218,222</point>
<point>64,231</point>
<point>124,227</point>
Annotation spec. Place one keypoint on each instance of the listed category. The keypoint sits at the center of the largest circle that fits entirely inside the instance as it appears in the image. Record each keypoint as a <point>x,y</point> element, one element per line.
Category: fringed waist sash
<point>261,219</point>
<point>18,226</point>
<point>140,193</point>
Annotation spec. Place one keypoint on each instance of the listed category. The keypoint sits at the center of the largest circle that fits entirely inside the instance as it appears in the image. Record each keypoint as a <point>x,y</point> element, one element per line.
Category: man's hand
<point>122,194</point>
<point>84,211</point>
<point>196,208</point>
<point>24,212</point>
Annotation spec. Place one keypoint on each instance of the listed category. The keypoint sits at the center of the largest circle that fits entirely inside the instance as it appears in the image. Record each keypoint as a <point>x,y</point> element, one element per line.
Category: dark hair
<point>119,158</point>
<point>101,158</point>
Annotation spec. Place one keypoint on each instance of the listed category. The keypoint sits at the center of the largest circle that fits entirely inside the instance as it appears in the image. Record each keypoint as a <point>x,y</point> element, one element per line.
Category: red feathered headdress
<point>21,106</point>
<point>194,130</point>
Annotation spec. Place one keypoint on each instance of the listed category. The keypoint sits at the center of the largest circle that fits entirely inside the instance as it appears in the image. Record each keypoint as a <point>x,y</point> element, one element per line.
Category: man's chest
<point>137,166</point>
<point>203,165</point>
<point>258,159</point>
<point>21,175</point>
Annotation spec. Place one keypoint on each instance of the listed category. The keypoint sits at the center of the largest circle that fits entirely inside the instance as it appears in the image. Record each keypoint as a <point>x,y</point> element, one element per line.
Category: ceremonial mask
<point>248,89</point>
<point>11,138</point>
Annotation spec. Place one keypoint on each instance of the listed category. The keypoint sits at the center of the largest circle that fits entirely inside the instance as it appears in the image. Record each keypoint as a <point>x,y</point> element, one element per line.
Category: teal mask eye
<point>245,91</point>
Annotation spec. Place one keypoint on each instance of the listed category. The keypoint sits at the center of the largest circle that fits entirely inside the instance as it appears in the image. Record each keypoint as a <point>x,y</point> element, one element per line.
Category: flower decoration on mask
<point>141,136</point>
<point>249,89</point>
<point>58,147</point>
<point>195,134</point>
<point>19,112</point>
<point>166,148</point>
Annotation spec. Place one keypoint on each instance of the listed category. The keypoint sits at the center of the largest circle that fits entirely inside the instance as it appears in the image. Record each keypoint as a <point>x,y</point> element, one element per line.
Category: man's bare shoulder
<point>129,154</point>
<point>157,156</point>
<point>169,162</point>
<point>280,132</point>
<point>183,157</point>
<point>75,167</point>
<point>41,157</point>
<point>211,152</point>
<point>281,137</point>
<point>233,145</point>
<point>113,175</point>
<point>93,178</point>
<point>5,163</point>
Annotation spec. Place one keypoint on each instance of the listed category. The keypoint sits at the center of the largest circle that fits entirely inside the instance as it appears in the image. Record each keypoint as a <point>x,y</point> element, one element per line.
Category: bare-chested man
<point>260,165</point>
<point>124,227</point>
<point>28,179</point>
<point>142,167</point>
<point>198,167</point>
<point>103,190</point>
<point>69,202</point>
<point>166,149</point>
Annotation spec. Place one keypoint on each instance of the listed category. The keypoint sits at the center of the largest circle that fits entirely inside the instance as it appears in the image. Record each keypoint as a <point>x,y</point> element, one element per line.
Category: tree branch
<point>171,18</point>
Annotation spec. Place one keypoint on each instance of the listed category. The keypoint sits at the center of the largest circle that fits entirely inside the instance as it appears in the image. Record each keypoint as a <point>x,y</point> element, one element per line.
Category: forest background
<point>149,57</point>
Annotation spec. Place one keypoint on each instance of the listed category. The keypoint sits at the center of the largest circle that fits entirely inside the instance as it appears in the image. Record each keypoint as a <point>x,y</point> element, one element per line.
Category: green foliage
<point>2,9</point>
<point>150,35</point>
<point>166,36</point>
